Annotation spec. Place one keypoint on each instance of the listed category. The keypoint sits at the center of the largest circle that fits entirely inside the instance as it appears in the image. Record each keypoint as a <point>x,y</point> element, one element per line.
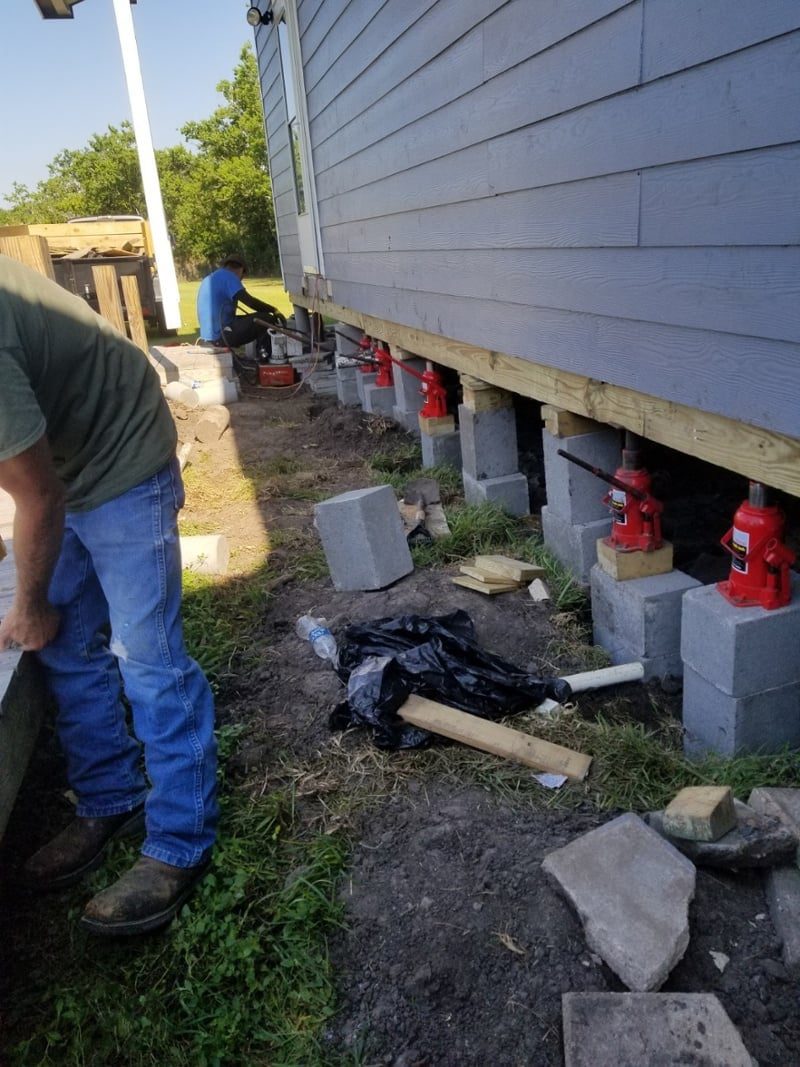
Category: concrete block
<point>347,339</point>
<point>640,619</point>
<point>408,397</point>
<point>190,363</point>
<point>362,381</point>
<point>364,538</point>
<point>408,420</point>
<point>574,546</point>
<point>441,449</point>
<point>649,1029</point>
<point>715,721</point>
<point>322,382</point>
<point>631,890</point>
<point>783,897</point>
<point>510,492</point>
<point>781,804</point>
<point>346,386</point>
<point>488,442</point>
<point>700,813</point>
<point>755,841</point>
<point>572,493</point>
<point>741,650</point>
<point>378,399</point>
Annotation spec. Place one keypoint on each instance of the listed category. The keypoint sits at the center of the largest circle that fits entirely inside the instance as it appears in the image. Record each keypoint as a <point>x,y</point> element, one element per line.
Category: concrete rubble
<point>632,890</point>
<point>756,841</point>
<point>650,1030</point>
<point>783,883</point>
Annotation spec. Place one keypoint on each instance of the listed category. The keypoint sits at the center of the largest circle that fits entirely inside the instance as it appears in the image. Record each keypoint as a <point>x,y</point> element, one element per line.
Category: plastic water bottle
<point>322,640</point>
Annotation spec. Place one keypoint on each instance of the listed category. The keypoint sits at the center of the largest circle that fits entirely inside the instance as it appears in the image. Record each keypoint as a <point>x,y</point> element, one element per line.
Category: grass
<point>242,976</point>
<point>269,290</point>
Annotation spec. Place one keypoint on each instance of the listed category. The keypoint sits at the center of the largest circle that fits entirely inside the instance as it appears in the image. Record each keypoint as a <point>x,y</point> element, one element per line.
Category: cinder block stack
<point>489,453</point>
<point>741,688</point>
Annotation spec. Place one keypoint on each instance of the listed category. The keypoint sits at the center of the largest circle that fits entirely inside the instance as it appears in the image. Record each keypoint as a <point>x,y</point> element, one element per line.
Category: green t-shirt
<point>68,373</point>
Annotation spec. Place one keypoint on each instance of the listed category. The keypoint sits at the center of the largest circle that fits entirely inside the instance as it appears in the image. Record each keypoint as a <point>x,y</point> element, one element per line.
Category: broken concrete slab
<point>649,1030</point>
<point>632,890</point>
<point>780,803</point>
<point>756,841</point>
<point>783,897</point>
<point>700,813</point>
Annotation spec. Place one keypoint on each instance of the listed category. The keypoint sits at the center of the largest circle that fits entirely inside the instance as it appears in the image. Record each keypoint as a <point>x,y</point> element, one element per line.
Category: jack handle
<point>604,476</point>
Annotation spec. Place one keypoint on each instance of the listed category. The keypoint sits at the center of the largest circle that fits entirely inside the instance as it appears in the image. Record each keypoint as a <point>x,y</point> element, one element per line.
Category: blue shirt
<point>216,306</point>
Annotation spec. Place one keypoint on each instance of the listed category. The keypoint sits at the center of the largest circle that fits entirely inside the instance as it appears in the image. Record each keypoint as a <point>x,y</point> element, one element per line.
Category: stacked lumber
<point>491,575</point>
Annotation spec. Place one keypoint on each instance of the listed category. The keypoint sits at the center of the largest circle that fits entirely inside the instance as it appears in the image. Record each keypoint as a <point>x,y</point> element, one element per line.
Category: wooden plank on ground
<point>763,455</point>
<point>505,567</point>
<point>133,306</point>
<point>482,576</point>
<point>487,588</point>
<point>105,283</point>
<point>30,250</point>
<point>492,737</point>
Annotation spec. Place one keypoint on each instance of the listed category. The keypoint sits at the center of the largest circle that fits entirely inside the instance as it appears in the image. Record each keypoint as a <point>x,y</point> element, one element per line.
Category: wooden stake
<point>105,283</point>
<point>133,305</point>
<point>492,737</point>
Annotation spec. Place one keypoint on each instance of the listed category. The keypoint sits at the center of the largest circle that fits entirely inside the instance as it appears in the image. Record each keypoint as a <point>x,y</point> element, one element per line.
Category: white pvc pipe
<point>170,296</point>
<point>622,672</point>
<point>216,391</point>
<point>205,553</point>
<point>181,394</point>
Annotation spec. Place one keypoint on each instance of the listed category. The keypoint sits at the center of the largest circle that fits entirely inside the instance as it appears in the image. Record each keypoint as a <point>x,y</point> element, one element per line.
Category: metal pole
<point>170,296</point>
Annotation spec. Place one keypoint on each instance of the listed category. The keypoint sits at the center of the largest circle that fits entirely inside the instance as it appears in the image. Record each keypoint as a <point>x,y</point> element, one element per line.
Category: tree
<point>216,187</point>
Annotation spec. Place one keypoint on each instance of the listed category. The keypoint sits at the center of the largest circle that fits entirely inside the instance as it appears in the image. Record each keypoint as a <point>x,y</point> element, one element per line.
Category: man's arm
<point>243,297</point>
<point>31,480</point>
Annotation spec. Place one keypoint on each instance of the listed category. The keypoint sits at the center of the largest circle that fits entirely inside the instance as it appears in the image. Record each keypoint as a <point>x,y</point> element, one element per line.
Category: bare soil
<point>455,950</point>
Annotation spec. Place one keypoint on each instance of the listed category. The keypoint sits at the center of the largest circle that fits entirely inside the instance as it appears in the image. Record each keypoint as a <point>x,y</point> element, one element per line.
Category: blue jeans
<point>120,571</point>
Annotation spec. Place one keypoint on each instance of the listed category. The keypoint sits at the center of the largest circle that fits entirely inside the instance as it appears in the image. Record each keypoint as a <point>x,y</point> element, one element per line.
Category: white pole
<point>165,264</point>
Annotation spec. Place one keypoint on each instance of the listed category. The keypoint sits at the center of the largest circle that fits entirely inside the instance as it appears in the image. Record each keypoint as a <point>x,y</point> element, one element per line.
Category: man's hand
<point>29,629</point>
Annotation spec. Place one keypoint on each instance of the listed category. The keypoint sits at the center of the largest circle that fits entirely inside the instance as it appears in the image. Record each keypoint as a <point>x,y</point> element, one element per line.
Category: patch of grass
<point>449,479</point>
<point>242,976</point>
<point>191,528</point>
<point>400,460</point>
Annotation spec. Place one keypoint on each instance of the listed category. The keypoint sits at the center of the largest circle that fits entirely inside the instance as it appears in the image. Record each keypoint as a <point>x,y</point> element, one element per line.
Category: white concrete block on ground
<point>715,721</point>
<point>640,619</point>
<point>510,492</point>
<point>191,363</point>
<point>573,493</point>
<point>574,545</point>
<point>741,650</point>
<point>649,1030</point>
<point>632,890</point>
<point>364,539</point>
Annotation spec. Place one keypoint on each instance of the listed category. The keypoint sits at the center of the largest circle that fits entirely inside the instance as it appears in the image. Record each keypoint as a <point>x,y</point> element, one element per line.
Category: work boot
<point>76,851</point>
<point>145,898</point>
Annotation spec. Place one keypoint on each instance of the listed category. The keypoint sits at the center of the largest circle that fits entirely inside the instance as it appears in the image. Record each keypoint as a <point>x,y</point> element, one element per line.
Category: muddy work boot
<point>76,851</point>
<point>146,897</point>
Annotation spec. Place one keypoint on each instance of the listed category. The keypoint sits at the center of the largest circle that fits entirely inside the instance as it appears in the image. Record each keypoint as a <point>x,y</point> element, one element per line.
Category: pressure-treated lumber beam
<point>492,737</point>
<point>105,283</point>
<point>133,306</point>
<point>767,457</point>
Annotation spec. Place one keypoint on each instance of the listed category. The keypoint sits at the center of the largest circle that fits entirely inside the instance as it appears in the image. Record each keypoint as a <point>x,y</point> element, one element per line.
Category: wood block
<point>485,587</point>
<point>561,423</point>
<point>701,813</point>
<point>133,306</point>
<point>492,737</point>
<point>105,282</point>
<point>487,399</point>
<point>31,250</point>
<point>483,576</point>
<point>432,427</point>
<point>622,566</point>
<point>506,567</point>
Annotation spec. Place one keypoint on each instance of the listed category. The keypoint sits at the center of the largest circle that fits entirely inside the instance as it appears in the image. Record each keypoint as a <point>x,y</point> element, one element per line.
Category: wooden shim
<point>561,423</point>
<point>622,566</point>
<point>487,399</point>
<point>484,576</point>
<point>30,250</point>
<point>133,306</point>
<point>488,589</point>
<point>105,282</point>
<point>435,426</point>
<point>492,737</point>
<point>505,567</point>
<point>763,455</point>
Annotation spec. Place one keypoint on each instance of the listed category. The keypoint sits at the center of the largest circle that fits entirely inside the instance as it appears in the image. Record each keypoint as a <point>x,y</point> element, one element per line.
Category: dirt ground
<point>455,950</point>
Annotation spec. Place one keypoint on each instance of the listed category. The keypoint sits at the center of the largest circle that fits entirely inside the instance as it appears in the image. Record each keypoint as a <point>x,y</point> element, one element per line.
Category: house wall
<point>609,187</point>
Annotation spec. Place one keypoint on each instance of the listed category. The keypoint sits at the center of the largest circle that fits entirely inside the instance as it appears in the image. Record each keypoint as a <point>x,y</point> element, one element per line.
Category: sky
<point>66,78</point>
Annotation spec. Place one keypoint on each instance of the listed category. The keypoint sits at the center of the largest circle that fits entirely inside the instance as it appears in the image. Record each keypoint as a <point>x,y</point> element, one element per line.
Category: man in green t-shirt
<point>87,451</point>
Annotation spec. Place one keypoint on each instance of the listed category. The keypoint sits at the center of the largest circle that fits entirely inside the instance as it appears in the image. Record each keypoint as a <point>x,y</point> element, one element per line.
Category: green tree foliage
<point>216,186</point>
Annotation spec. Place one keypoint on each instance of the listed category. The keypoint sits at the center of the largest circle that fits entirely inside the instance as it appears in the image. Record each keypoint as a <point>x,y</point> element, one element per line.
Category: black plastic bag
<point>385,661</point>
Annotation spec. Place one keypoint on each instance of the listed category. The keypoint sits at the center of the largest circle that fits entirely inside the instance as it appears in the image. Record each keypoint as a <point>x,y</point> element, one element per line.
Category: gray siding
<point>611,187</point>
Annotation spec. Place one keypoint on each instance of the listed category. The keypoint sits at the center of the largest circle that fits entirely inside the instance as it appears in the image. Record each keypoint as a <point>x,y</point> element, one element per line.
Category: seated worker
<point>217,298</point>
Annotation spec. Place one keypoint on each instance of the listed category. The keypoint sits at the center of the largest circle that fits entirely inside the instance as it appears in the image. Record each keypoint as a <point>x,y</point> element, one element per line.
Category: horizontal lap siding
<point>606,186</point>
